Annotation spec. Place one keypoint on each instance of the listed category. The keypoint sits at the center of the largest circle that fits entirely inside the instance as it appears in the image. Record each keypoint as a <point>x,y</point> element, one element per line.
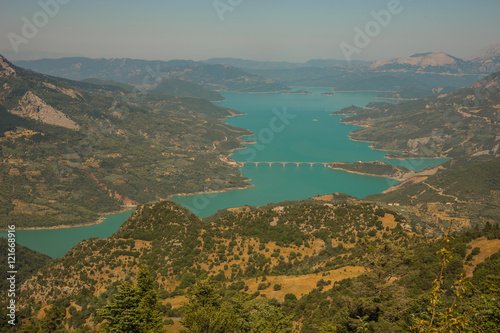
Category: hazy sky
<point>278,30</point>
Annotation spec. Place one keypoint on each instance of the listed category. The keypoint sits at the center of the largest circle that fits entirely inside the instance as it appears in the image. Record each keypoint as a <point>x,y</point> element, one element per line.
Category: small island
<point>298,92</point>
<point>375,168</point>
<point>327,94</point>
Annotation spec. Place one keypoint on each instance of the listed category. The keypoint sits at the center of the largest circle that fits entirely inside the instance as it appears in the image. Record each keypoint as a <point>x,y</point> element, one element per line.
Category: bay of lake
<point>56,242</point>
<point>288,128</point>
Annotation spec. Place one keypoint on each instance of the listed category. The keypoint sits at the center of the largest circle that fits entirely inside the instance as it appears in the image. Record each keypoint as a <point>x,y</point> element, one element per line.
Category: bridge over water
<point>270,164</point>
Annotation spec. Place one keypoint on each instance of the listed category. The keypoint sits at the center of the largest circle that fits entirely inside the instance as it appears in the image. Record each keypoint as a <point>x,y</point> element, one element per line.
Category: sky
<point>270,30</point>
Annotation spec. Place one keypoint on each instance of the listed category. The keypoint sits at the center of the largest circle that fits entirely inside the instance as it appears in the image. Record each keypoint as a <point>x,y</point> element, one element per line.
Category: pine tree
<point>205,312</point>
<point>135,309</point>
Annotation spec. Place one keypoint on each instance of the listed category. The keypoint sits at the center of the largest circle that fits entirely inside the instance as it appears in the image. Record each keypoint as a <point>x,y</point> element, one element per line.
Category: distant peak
<point>488,52</point>
<point>417,55</point>
<point>422,60</point>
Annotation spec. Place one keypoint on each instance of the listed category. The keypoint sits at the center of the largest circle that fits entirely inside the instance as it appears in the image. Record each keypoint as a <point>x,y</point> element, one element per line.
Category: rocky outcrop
<point>32,106</point>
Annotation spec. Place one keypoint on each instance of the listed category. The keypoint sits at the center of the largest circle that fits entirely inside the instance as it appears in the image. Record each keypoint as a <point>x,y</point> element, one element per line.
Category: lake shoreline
<point>365,174</point>
<point>99,220</point>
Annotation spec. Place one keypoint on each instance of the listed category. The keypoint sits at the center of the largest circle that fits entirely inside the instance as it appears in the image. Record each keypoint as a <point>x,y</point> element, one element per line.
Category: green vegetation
<point>122,86</point>
<point>206,311</point>
<point>458,124</point>
<point>135,309</point>
<point>129,149</point>
<point>467,190</point>
<point>373,168</point>
<point>328,264</point>
<point>181,88</point>
<point>394,292</point>
<point>414,93</point>
<point>298,92</point>
<point>28,262</point>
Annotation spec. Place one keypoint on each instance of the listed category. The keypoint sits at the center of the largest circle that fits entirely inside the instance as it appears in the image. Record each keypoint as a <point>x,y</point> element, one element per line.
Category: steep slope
<point>71,150</point>
<point>487,59</point>
<point>466,190</point>
<point>27,262</point>
<point>361,262</point>
<point>462,123</point>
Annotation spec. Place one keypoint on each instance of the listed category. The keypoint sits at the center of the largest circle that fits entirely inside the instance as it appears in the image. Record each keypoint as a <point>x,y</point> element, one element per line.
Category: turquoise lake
<point>56,242</point>
<point>288,128</point>
<point>297,128</point>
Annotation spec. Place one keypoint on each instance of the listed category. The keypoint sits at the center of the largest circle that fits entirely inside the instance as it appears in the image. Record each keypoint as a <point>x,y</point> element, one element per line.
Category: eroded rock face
<point>32,106</point>
<point>5,68</point>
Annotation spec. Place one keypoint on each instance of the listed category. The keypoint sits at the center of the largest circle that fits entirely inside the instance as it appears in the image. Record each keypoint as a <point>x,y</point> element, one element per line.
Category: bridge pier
<point>270,163</point>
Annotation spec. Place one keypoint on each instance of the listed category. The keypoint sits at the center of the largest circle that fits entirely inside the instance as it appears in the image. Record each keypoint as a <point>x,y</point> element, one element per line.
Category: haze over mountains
<point>146,73</point>
<point>421,71</point>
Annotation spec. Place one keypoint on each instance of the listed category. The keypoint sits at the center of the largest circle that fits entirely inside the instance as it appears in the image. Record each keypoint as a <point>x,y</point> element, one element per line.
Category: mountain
<point>330,261</point>
<point>487,59</point>
<point>462,123</point>
<point>251,64</point>
<point>362,79</point>
<point>79,68</point>
<point>145,73</point>
<point>266,65</point>
<point>224,78</point>
<point>465,190</point>
<point>431,62</point>
<point>424,71</point>
<point>71,151</point>
<point>182,88</point>
<point>489,52</point>
<point>414,93</point>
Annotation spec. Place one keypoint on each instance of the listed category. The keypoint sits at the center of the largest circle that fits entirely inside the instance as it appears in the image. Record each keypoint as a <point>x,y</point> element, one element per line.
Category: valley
<point>282,207</point>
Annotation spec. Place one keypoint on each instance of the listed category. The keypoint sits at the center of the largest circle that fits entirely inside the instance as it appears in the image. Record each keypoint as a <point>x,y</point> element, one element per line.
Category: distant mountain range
<point>253,64</point>
<point>485,61</point>
<point>146,73</point>
<point>423,71</point>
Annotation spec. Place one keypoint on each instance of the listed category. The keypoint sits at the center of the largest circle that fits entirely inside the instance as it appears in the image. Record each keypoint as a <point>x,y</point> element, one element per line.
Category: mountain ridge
<point>98,147</point>
<point>146,72</point>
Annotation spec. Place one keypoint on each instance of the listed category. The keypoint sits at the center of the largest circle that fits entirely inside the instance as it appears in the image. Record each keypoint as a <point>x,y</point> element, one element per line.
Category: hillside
<point>466,190</point>
<point>75,150</point>
<point>330,260</point>
<point>144,72</point>
<point>462,123</point>
<point>414,93</point>
<point>181,88</point>
<point>28,262</point>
